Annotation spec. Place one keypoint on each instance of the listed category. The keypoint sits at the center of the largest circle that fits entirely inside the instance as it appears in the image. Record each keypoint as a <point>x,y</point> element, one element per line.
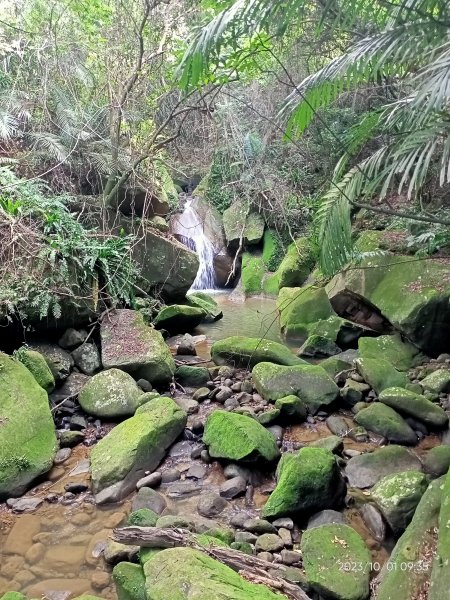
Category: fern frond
<point>49,143</point>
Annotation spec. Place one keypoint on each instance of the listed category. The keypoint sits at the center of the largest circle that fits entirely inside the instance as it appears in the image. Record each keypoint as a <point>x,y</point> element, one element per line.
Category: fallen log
<point>250,567</point>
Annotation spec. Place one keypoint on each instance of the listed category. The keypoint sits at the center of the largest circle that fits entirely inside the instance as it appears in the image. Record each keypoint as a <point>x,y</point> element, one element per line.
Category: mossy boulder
<point>143,517</point>
<point>27,433</point>
<point>133,447</point>
<point>240,351</point>
<point>111,394</point>
<point>367,469</point>
<point>407,573</point>
<point>414,405</point>
<point>437,382</point>
<point>385,421</point>
<point>272,250</point>
<point>37,365</point>
<point>130,581</point>
<point>423,315</point>
<point>131,345</point>
<point>334,365</point>
<point>436,461</point>
<point>192,376</point>
<point>398,495</point>
<point>301,308</point>
<point>184,574</point>
<point>318,346</point>
<point>389,347</point>
<point>239,438</point>
<point>310,382</point>
<point>308,481</point>
<point>13,596</point>
<point>329,551</point>
<point>297,264</point>
<point>292,409</point>
<point>380,374</point>
<point>440,575</point>
<point>179,318</point>
<point>240,221</point>
<point>252,273</point>
<point>206,303</point>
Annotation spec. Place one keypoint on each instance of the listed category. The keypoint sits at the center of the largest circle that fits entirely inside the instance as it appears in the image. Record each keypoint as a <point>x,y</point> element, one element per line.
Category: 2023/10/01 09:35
<point>357,567</point>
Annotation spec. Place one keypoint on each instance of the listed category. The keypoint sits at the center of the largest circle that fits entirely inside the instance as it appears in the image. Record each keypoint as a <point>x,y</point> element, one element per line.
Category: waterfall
<point>190,228</point>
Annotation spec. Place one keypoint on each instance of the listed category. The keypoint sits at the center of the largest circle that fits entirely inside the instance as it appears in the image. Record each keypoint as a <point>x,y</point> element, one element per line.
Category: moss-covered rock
<point>332,443</point>
<point>143,517</point>
<point>334,365</point>
<point>239,351</point>
<point>27,433</point>
<point>438,381</point>
<point>436,461</point>
<point>37,365</point>
<point>310,382</point>
<point>423,315</point>
<point>414,405</point>
<point>292,409</point>
<point>130,581</point>
<point>380,374</point>
<point>13,596</point>
<point>129,344</point>
<point>184,573</point>
<point>239,438</point>
<point>318,346</point>
<point>192,376</point>
<point>407,573</point>
<point>297,264</point>
<point>308,481</point>
<point>272,250</point>
<point>385,421</point>
<point>206,303</point>
<point>252,273</point>
<point>329,553</point>
<point>136,445</point>
<point>440,575</point>
<point>179,318</point>
<point>367,469</point>
<point>240,221</point>
<point>111,394</point>
<point>398,495</point>
<point>389,347</point>
<point>300,308</point>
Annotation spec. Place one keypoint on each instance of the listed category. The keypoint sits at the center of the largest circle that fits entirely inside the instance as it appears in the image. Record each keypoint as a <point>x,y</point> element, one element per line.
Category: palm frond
<point>50,144</point>
<point>8,125</point>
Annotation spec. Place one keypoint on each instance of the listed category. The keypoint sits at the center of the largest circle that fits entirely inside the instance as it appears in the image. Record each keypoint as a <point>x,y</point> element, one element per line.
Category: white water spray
<point>190,228</point>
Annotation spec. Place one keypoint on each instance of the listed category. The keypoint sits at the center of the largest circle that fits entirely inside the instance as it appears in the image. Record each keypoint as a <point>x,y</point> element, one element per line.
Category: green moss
<point>380,374</point>
<point>440,575</point>
<point>37,365</point>
<point>384,421</point>
<point>407,573</point>
<point>298,263</point>
<point>334,365</point>
<point>437,461</point>
<point>183,573</point>
<point>310,382</point>
<point>391,347</point>
<point>272,250</point>
<point>308,481</point>
<point>398,495</point>
<point>292,409</point>
<point>252,273</point>
<point>192,376</point>
<point>369,241</point>
<point>300,308</point>
<point>318,346</point>
<point>206,303</point>
<point>167,187</point>
<point>326,551</point>
<point>179,318</point>
<point>438,381</point>
<point>144,517</point>
<point>146,554</point>
<point>332,443</point>
<point>27,433</point>
<point>13,596</point>
<point>239,220</point>
<point>130,581</point>
<point>136,445</point>
<point>238,437</point>
<point>239,351</point>
<point>271,284</point>
<point>414,405</point>
<point>111,394</point>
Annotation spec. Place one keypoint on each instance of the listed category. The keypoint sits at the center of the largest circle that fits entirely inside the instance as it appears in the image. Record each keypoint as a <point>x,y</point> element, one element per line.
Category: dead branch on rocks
<point>252,568</point>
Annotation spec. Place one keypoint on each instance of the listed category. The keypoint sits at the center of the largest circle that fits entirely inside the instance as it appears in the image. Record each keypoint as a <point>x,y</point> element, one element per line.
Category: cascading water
<point>190,228</point>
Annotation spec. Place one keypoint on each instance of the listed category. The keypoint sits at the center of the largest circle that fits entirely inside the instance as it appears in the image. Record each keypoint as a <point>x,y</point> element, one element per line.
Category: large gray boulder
<point>131,345</point>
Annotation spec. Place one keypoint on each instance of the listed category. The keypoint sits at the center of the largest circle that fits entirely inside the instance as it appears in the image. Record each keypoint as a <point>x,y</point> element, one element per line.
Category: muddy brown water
<point>56,551</point>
